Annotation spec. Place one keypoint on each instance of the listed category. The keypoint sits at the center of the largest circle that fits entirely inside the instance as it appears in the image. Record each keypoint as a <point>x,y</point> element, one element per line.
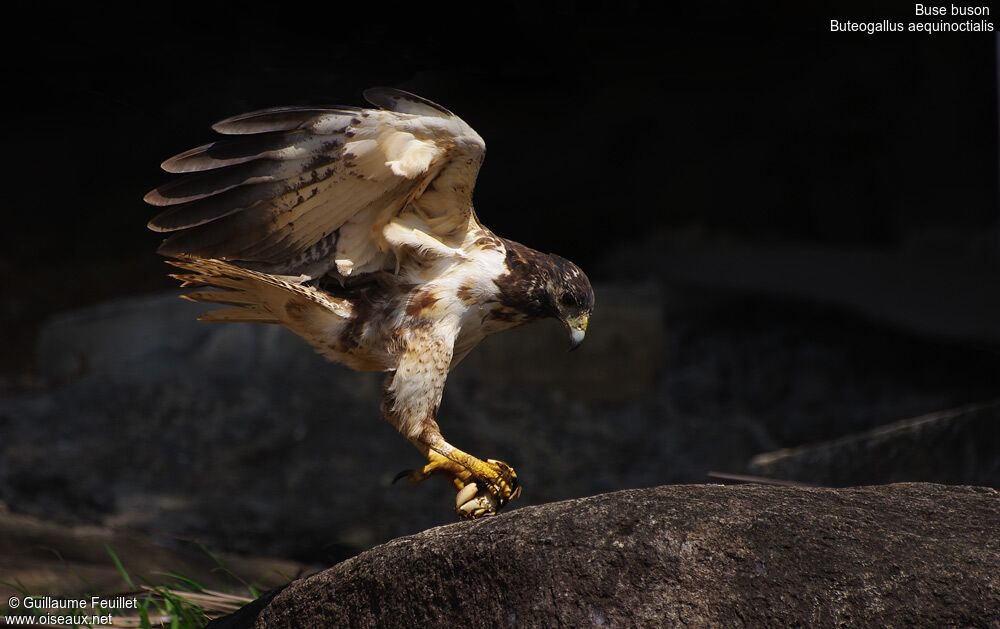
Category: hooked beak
<point>577,330</point>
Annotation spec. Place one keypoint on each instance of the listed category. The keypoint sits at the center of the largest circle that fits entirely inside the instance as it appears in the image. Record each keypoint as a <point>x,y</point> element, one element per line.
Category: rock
<point>960,446</point>
<point>916,288</point>
<point>701,555</point>
<point>151,338</point>
<point>114,337</point>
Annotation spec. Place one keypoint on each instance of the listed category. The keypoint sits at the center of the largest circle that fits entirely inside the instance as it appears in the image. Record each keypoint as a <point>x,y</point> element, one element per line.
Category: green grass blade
<point>118,564</point>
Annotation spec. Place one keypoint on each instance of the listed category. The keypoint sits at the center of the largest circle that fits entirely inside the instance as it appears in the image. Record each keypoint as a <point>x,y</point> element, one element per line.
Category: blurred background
<point>792,235</point>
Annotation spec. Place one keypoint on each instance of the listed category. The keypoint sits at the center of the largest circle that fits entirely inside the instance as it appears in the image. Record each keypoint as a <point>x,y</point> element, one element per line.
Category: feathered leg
<point>411,396</point>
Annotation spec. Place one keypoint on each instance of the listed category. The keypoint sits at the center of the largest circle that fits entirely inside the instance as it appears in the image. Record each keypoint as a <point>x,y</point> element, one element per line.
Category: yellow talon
<point>484,487</point>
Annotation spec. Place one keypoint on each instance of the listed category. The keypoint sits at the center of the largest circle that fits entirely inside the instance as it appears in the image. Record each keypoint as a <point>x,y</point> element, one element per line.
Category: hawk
<point>354,228</point>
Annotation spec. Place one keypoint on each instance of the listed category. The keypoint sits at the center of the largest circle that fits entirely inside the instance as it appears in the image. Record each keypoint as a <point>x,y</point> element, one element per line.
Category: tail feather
<point>247,314</point>
<point>224,297</point>
<point>217,281</point>
<point>261,298</point>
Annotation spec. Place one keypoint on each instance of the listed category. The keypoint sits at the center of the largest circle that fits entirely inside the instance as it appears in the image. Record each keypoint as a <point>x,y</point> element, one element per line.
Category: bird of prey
<point>355,229</point>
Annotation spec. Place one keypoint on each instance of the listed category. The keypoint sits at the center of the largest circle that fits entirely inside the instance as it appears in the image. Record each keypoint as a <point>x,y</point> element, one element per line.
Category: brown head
<point>546,285</point>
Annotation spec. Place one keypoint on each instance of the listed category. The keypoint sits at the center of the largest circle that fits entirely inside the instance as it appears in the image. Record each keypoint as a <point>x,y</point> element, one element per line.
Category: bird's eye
<point>567,300</point>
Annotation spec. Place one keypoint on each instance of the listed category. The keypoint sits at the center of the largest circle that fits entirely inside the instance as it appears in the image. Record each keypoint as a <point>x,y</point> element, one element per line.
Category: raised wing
<point>306,190</point>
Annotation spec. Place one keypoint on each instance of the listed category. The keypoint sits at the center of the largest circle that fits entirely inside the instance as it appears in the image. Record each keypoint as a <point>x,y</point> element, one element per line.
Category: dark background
<point>818,211</point>
<point>602,125</point>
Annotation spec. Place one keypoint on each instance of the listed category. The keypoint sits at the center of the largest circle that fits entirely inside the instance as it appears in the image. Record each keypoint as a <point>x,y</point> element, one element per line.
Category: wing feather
<point>405,102</point>
<point>280,145</point>
<point>213,182</point>
<point>291,185</point>
<point>282,119</point>
<point>221,205</point>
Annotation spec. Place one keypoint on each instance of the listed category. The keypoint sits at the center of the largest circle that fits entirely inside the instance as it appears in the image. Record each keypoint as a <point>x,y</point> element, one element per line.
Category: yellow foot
<point>484,487</point>
<point>457,475</point>
<point>492,485</point>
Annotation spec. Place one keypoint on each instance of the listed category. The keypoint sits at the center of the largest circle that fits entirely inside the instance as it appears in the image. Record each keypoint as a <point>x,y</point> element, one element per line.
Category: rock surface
<point>697,555</point>
<point>921,287</point>
<point>957,446</point>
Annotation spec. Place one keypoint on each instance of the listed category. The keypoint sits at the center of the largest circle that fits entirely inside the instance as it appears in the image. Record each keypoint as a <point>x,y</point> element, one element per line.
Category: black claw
<point>401,475</point>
